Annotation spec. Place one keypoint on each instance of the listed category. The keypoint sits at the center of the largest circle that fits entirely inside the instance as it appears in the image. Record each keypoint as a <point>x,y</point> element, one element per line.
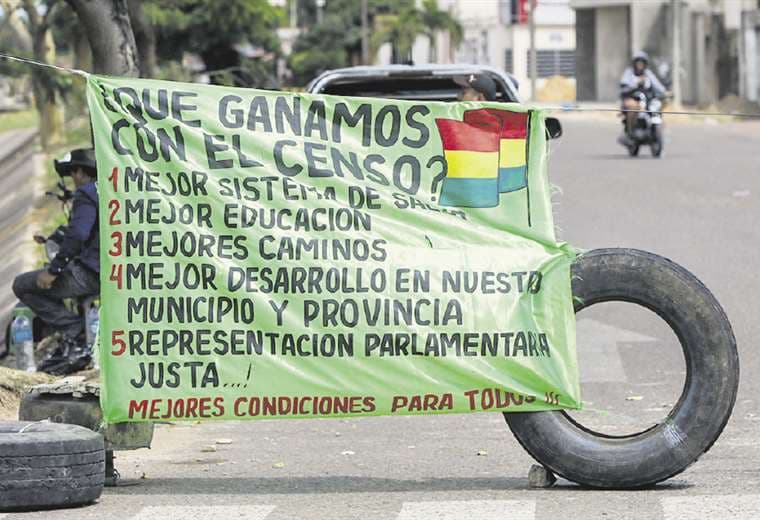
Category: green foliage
<point>336,42</point>
<point>173,71</point>
<point>65,27</point>
<point>327,46</point>
<point>212,28</point>
<point>12,68</point>
<point>401,29</point>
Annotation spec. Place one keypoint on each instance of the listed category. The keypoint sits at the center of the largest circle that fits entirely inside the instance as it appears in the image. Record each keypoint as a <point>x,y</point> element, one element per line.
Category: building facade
<point>719,42</point>
<point>496,34</point>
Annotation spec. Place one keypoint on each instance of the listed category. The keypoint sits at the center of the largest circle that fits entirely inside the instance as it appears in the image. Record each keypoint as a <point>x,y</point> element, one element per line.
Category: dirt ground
<point>13,385</point>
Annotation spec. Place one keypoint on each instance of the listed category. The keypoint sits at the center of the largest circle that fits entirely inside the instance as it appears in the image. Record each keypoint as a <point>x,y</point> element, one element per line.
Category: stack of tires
<point>47,465</point>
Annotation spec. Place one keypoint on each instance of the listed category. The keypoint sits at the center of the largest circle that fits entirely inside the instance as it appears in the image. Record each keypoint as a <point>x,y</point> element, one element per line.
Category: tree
<point>109,31</point>
<point>402,29</point>
<point>47,85</point>
<point>336,42</point>
<point>145,38</point>
<point>69,37</point>
<point>13,26</point>
<point>216,31</point>
<point>326,46</point>
<point>435,20</point>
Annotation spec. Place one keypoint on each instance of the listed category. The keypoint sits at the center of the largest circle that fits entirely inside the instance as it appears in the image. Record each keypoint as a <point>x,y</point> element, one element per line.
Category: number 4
<point>116,270</point>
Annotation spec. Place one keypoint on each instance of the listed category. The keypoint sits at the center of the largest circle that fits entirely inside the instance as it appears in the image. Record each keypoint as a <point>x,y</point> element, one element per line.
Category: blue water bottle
<point>23,343</point>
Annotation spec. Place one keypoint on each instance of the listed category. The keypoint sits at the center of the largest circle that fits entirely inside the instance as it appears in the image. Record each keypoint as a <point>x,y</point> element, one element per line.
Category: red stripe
<point>514,125</point>
<point>479,136</point>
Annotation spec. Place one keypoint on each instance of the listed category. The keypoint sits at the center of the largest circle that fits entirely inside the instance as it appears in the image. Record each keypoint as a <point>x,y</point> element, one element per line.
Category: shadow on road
<point>308,485</point>
<point>337,484</point>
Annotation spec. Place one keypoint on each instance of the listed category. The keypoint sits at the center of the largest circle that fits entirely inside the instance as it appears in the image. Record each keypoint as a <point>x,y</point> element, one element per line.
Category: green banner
<point>280,255</point>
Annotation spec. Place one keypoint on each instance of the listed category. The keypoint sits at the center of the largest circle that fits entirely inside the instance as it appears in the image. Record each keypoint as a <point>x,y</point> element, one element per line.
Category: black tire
<point>633,149</point>
<point>657,141</point>
<point>712,376</point>
<point>62,408</point>
<point>48,465</point>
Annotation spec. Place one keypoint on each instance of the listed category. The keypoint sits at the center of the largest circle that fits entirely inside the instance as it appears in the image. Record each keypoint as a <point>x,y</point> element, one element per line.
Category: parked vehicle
<point>413,82</point>
<point>555,439</point>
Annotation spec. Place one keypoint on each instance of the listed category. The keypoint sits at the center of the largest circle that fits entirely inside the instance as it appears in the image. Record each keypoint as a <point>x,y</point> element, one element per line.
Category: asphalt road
<point>17,195</point>
<point>698,206</point>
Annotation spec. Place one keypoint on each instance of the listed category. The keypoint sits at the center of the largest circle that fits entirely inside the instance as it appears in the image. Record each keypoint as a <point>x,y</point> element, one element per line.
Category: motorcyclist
<point>637,77</point>
<point>73,273</point>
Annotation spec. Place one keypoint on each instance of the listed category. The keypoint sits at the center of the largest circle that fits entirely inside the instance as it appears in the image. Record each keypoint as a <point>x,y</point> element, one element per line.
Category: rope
<point>46,65</point>
<point>672,112</point>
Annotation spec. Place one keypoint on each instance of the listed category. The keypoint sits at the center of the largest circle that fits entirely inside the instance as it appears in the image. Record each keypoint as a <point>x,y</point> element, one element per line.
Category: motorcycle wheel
<point>642,459</point>
<point>657,142</point>
<point>633,149</point>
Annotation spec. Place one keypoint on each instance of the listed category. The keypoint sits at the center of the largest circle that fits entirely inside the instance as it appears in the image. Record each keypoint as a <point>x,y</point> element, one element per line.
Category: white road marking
<point>599,341</point>
<point>724,507</point>
<point>469,509</point>
<point>203,512</point>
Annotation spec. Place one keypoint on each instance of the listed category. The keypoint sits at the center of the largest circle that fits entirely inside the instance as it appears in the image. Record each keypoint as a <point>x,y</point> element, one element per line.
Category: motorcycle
<point>647,127</point>
<point>45,339</point>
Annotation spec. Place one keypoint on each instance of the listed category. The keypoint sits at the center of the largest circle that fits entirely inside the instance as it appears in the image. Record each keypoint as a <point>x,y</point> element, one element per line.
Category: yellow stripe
<point>511,152</point>
<point>472,165</point>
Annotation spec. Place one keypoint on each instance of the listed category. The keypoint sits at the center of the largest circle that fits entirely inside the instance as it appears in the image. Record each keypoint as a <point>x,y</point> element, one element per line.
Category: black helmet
<point>640,56</point>
<point>79,158</point>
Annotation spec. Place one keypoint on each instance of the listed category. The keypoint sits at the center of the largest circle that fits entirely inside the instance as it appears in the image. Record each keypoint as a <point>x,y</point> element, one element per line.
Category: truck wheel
<point>47,465</point>
<point>712,376</point>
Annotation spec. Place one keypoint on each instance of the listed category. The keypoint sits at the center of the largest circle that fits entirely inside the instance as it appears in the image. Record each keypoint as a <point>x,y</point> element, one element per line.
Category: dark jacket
<point>81,239</point>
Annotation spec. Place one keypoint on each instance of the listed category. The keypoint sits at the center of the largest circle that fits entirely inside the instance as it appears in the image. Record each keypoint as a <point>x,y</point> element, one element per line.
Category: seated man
<point>477,87</point>
<point>73,273</point>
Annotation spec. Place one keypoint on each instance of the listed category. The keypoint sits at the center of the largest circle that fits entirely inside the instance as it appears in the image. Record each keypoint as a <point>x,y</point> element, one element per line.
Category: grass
<point>21,119</point>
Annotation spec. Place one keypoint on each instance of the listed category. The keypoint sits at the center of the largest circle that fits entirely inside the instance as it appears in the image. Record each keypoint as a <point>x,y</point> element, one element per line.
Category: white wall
<point>613,51</point>
<point>486,37</point>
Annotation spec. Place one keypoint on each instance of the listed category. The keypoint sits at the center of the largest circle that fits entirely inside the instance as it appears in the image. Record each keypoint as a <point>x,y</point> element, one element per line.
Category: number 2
<point>114,206</point>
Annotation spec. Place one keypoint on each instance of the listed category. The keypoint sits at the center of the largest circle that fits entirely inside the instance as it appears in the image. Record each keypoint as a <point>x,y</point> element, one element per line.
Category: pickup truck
<point>417,83</point>
<point>411,82</point>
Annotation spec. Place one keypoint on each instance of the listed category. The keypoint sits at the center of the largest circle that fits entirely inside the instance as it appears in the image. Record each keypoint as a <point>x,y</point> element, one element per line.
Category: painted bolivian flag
<point>471,150</point>
<point>512,146</point>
